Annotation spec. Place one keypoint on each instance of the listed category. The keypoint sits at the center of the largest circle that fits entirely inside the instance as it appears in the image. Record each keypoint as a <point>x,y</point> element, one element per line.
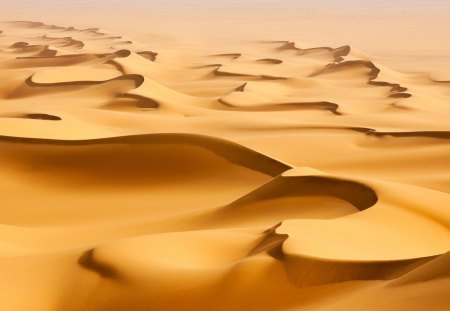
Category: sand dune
<point>276,177</point>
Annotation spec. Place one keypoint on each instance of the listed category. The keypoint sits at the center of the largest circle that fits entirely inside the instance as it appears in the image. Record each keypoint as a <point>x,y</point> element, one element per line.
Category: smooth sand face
<point>191,168</point>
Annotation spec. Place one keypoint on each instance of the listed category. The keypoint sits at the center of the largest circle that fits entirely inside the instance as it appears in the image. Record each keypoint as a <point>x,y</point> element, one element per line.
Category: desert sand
<point>264,175</point>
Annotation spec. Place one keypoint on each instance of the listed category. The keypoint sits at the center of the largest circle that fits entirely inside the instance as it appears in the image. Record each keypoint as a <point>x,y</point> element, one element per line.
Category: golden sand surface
<point>259,175</point>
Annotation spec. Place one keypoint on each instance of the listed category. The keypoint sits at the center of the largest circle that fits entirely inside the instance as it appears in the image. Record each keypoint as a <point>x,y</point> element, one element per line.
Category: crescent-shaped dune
<point>166,175</point>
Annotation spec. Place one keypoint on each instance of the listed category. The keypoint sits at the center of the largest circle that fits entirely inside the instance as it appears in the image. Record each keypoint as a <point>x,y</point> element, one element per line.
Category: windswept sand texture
<point>273,176</point>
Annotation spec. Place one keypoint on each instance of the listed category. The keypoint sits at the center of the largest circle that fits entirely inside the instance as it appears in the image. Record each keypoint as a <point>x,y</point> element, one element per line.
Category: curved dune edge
<point>437,268</point>
<point>231,151</point>
<point>338,53</point>
<point>312,271</point>
<point>293,197</point>
<point>359,195</point>
<point>137,79</point>
<point>331,107</point>
<point>397,91</point>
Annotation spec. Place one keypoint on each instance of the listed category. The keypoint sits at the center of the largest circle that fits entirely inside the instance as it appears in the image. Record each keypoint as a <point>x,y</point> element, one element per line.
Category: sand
<point>263,175</point>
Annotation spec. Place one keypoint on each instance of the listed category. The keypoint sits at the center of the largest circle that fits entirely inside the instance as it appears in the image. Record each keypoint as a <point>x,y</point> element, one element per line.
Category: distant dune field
<point>259,175</point>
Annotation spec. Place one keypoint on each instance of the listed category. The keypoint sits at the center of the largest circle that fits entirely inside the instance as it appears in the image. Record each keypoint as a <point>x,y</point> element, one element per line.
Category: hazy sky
<point>6,4</point>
